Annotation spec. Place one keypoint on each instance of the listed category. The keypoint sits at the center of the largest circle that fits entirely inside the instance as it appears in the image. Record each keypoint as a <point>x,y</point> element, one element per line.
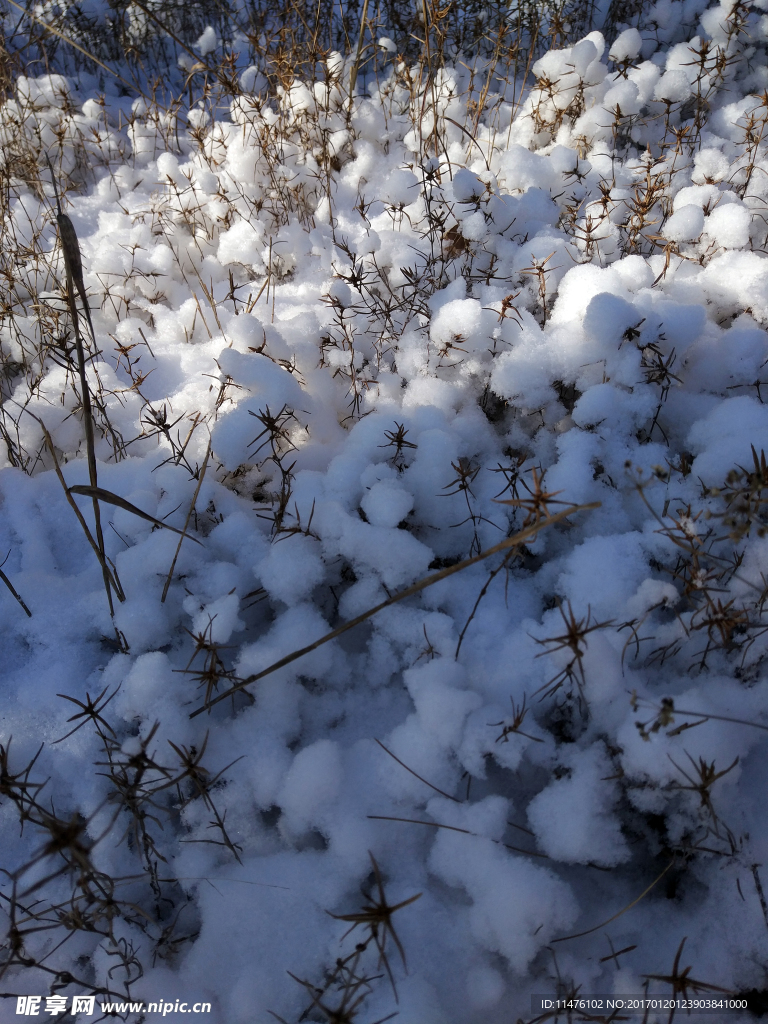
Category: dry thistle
<point>519,712</point>
<point>376,918</point>
<point>682,983</point>
<point>574,640</point>
<point>396,439</point>
<point>706,778</point>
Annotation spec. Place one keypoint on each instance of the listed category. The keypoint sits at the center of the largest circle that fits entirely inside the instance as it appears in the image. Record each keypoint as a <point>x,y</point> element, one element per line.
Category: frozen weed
<point>404,244</point>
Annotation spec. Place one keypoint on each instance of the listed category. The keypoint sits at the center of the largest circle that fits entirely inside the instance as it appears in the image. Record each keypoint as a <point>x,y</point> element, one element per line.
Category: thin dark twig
<point>186,523</point>
<point>760,892</point>
<point>416,775</point>
<point>12,589</point>
<point>455,828</point>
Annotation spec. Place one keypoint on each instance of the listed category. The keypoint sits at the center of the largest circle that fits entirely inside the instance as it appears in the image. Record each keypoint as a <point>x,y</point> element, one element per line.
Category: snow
<point>207,42</point>
<point>391,361</point>
<point>687,223</point>
<point>572,816</point>
<point>729,226</point>
<point>627,44</point>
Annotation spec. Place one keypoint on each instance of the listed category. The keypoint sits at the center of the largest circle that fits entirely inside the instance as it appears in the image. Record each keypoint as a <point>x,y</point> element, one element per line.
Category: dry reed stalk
<point>73,263</point>
<point>428,581</point>
<point>358,53</point>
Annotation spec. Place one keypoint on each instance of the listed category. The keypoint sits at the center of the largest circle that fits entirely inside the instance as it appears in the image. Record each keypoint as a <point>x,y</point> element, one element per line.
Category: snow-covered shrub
<point>401,524</point>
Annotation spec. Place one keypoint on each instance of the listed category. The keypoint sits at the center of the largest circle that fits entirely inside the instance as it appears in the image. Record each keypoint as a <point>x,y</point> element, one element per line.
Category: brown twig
<point>579,935</point>
<point>428,581</point>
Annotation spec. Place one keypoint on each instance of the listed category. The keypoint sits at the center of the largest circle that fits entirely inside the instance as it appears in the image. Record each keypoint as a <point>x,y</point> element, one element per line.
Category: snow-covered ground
<point>346,352</point>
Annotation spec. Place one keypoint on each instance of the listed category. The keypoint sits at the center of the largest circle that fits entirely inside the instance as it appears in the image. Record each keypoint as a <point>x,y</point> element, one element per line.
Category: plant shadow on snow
<point>383,507</point>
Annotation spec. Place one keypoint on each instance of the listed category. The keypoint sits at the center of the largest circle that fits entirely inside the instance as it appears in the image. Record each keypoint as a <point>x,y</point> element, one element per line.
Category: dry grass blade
<point>213,669</point>
<point>615,953</point>
<point>72,256</point>
<point>455,828</point>
<point>106,569</point>
<point>221,878</point>
<point>428,581</point>
<point>471,139</point>
<point>644,893</point>
<point>353,990</point>
<point>101,494</point>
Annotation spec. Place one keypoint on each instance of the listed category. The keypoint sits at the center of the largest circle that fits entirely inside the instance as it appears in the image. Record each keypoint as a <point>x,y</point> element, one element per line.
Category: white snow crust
<point>554,342</point>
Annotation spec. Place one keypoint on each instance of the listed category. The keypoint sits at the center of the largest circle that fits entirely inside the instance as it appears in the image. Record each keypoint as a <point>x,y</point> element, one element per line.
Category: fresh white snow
<point>390,370</point>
